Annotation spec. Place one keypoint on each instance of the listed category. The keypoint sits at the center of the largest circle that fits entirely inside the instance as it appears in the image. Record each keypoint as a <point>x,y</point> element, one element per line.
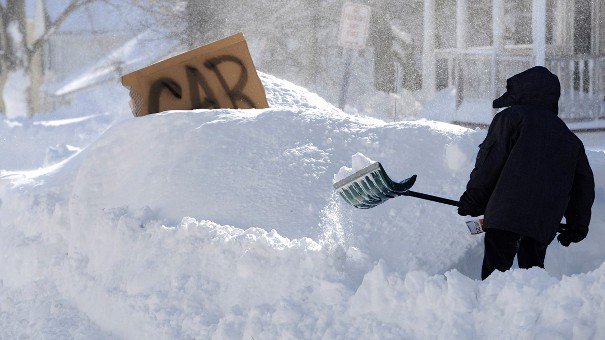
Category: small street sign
<point>354,25</point>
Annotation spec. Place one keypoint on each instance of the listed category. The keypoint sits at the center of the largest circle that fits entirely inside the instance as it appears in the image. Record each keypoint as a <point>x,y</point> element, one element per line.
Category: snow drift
<point>224,224</point>
<point>273,169</point>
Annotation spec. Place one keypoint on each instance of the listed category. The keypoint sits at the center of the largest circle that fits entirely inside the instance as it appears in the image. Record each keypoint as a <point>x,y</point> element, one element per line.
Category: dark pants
<point>501,247</point>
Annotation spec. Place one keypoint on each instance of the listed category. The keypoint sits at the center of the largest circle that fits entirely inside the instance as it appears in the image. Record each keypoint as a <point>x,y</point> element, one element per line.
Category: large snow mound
<point>224,224</point>
<point>273,169</point>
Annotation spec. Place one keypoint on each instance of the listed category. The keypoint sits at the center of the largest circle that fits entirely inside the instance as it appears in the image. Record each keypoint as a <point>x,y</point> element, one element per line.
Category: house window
<point>518,21</point>
<point>582,27</point>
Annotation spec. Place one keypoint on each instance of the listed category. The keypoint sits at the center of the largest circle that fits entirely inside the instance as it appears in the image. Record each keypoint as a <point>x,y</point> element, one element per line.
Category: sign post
<point>353,35</point>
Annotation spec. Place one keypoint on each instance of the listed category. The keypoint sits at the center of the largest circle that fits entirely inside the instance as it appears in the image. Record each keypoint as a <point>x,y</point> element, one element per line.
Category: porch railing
<point>479,77</point>
<point>582,85</point>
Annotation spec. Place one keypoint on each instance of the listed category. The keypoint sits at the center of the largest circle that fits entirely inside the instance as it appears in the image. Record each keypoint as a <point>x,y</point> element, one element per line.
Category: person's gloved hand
<point>569,233</point>
<point>466,208</point>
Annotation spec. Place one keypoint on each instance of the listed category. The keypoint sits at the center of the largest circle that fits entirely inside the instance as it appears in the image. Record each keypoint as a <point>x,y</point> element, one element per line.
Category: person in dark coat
<point>530,172</point>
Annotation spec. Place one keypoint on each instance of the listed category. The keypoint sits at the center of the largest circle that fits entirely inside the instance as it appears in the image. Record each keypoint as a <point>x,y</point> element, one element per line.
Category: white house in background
<point>567,36</point>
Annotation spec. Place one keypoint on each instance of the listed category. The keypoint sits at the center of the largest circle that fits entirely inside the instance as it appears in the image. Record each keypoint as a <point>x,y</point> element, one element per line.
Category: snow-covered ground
<point>223,224</point>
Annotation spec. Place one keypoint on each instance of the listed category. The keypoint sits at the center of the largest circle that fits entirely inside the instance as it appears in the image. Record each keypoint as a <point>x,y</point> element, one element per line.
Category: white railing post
<point>450,71</point>
<point>572,71</point>
<point>560,74</point>
<point>601,85</point>
<point>581,72</point>
<point>591,83</point>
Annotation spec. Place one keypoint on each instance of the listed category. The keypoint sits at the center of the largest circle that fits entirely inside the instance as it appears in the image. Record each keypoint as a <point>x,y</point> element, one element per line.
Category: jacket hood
<point>535,86</point>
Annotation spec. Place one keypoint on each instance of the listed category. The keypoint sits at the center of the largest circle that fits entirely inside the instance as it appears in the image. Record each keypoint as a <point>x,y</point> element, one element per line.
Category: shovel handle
<point>431,198</point>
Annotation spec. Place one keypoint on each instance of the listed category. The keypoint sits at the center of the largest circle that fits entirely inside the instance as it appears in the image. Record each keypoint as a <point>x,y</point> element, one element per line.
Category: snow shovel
<point>372,186</point>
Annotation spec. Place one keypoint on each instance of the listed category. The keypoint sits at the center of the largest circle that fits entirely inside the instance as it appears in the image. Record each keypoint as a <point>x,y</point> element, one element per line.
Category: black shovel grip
<point>431,198</point>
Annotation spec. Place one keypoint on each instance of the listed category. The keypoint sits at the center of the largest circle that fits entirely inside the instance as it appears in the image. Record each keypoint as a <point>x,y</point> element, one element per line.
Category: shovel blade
<point>371,186</point>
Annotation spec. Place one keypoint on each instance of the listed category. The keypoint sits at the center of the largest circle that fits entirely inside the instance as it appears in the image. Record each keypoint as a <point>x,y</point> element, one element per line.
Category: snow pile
<point>224,224</point>
<point>47,139</point>
<point>358,162</point>
<point>274,169</point>
<point>519,304</point>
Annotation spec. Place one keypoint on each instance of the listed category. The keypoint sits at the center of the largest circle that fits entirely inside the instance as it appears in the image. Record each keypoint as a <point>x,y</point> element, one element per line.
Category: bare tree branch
<point>73,6</point>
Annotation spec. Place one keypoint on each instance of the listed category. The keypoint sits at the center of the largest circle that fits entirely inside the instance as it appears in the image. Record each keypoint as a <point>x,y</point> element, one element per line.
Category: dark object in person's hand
<point>570,234</point>
<point>469,211</point>
<point>466,208</point>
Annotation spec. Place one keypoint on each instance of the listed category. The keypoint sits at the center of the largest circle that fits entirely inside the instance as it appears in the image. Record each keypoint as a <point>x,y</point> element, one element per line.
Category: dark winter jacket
<point>531,170</point>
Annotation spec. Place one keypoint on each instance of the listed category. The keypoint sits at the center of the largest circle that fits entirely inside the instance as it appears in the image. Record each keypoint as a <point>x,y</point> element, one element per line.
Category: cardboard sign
<point>217,75</point>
